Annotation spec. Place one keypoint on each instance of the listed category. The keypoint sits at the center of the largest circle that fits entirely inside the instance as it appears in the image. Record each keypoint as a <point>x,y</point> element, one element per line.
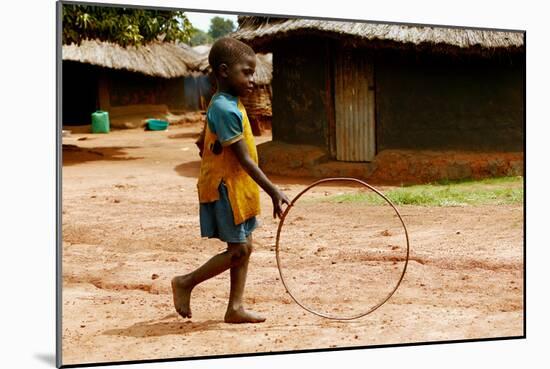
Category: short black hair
<point>227,50</point>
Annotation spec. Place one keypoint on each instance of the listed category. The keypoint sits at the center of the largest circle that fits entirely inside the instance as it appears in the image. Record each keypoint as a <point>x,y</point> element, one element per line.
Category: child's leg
<point>235,255</point>
<point>235,311</point>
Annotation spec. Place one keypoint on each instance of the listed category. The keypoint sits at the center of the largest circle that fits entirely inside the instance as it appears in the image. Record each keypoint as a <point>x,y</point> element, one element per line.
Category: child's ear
<point>223,70</point>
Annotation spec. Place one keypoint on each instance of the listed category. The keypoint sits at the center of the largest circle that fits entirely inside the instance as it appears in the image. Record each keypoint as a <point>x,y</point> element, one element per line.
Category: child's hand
<point>278,199</point>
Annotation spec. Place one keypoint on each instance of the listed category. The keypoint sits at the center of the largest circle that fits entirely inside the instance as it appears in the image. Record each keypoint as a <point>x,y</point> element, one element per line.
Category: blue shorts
<point>217,220</point>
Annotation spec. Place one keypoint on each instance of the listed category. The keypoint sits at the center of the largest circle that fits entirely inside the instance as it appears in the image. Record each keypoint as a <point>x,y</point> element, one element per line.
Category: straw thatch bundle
<point>201,49</point>
<point>258,31</point>
<point>264,69</point>
<point>203,64</point>
<point>159,59</point>
<point>258,103</point>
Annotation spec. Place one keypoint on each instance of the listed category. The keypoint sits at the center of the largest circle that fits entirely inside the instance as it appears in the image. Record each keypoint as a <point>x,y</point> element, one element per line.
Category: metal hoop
<point>279,261</point>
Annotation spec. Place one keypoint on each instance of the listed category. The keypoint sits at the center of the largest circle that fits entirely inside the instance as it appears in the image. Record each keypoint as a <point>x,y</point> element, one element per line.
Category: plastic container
<point>100,122</point>
<point>157,124</point>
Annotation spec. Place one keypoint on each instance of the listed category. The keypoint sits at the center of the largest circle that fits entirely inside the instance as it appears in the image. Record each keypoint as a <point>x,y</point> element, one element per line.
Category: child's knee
<point>239,252</point>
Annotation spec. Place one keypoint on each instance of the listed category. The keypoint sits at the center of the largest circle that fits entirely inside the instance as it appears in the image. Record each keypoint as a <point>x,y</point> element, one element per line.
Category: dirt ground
<point>130,223</point>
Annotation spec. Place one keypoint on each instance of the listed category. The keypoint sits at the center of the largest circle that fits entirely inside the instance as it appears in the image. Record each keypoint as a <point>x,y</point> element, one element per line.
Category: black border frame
<point>59,165</point>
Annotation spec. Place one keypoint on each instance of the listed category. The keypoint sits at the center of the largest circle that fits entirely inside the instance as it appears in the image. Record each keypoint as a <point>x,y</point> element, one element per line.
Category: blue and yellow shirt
<point>227,123</point>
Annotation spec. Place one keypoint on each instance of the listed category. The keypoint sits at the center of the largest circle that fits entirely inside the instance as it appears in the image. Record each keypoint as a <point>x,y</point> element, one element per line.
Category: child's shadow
<point>150,329</point>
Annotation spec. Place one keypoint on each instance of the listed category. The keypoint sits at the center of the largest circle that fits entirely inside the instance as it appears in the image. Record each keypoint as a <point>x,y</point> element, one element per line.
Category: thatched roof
<point>262,75</point>
<point>201,49</point>
<point>203,65</point>
<point>260,31</point>
<point>264,69</point>
<point>159,59</point>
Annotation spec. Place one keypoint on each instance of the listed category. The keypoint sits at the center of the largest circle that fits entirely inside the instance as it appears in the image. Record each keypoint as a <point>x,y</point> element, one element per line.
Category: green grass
<point>517,180</point>
<point>494,191</point>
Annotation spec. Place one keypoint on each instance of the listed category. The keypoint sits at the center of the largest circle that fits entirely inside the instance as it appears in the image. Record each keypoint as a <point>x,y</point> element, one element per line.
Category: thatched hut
<point>355,90</point>
<point>142,80</point>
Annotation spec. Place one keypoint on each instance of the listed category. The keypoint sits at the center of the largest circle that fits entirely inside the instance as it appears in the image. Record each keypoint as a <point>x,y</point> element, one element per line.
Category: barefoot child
<point>228,182</point>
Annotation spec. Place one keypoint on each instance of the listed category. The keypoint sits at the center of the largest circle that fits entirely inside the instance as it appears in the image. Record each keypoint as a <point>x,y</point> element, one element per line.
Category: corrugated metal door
<point>354,106</point>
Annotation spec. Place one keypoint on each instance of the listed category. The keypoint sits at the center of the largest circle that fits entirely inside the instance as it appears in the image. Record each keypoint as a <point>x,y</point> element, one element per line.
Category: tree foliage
<point>199,37</point>
<point>125,26</point>
<point>220,27</point>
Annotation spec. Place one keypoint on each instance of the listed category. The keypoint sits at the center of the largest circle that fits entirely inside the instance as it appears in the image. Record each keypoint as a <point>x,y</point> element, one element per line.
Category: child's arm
<point>278,197</point>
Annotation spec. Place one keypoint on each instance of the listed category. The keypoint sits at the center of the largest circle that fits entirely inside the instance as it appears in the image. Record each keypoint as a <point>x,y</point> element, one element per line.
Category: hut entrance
<point>80,92</point>
<point>354,106</point>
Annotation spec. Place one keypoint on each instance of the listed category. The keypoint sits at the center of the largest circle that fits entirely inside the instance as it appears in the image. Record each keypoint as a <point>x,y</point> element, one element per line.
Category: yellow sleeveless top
<point>243,191</point>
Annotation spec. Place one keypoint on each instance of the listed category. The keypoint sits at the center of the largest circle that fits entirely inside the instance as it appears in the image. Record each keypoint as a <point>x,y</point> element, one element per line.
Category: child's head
<point>233,63</point>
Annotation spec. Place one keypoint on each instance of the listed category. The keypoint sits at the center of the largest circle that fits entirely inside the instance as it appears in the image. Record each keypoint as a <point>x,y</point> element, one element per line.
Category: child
<point>228,182</point>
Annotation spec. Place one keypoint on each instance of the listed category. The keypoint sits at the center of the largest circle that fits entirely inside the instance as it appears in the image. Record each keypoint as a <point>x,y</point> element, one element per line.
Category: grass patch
<point>494,191</point>
<point>517,180</point>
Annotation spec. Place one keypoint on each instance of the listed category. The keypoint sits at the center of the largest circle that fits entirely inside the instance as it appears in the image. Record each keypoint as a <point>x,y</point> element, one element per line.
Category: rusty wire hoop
<point>279,261</point>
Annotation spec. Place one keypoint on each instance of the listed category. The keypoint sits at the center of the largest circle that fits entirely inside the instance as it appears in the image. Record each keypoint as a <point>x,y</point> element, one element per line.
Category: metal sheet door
<point>354,106</point>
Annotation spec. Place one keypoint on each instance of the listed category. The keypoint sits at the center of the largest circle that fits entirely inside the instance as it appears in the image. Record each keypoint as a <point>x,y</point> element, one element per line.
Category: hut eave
<point>158,59</point>
<point>260,32</point>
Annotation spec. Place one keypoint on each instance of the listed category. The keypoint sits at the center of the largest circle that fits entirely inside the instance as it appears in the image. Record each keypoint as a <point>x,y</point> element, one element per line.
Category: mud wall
<point>127,88</point>
<point>423,100</point>
<point>426,101</point>
<point>299,91</point>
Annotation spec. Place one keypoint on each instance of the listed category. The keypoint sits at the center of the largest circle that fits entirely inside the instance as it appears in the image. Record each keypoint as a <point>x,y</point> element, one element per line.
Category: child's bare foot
<point>181,289</point>
<point>242,316</point>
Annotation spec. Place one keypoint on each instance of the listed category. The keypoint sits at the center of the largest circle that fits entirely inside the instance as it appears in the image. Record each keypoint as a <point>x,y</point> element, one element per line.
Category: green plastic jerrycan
<point>100,122</point>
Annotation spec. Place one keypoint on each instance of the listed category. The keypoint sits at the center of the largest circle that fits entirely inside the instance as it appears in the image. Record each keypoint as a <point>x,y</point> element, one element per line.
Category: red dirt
<point>390,166</point>
<point>130,223</point>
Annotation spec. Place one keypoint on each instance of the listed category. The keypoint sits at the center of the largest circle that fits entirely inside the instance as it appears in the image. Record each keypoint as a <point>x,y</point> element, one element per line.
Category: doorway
<point>354,106</point>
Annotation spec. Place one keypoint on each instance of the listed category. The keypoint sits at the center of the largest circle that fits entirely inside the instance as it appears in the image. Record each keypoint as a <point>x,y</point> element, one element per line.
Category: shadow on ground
<point>194,135</point>
<point>160,328</point>
<point>73,154</point>
<point>189,169</point>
